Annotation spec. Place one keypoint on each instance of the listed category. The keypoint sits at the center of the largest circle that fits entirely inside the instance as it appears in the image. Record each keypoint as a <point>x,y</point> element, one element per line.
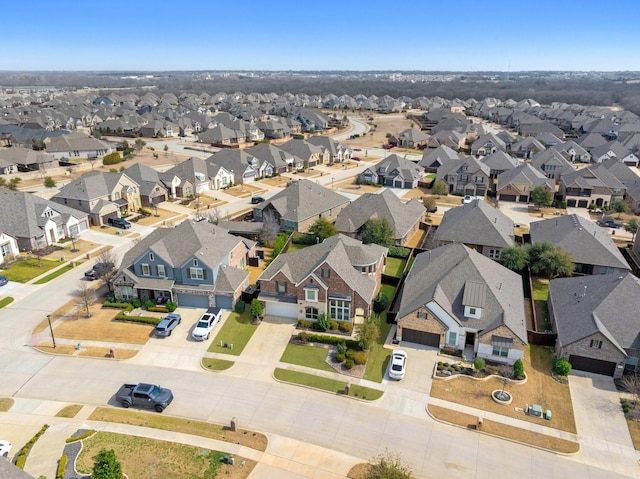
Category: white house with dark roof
<point>394,171</point>
<point>592,249</point>
<point>455,297</point>
<point>8,248</point>
<point>596,320</point>
<point>76,145</point>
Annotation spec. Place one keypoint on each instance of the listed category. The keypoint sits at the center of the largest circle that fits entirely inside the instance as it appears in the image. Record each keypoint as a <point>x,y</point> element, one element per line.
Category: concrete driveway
<point>602,428</point>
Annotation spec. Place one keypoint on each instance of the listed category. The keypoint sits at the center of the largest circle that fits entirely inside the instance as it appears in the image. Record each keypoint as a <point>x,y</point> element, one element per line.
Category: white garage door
<point>285,310</point>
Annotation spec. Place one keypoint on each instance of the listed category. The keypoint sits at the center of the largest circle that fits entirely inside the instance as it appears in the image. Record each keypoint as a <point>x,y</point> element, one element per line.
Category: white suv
<point>205,324</point>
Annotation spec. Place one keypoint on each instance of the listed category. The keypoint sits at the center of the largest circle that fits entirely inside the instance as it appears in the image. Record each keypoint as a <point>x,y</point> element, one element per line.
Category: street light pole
<point>51,329</point>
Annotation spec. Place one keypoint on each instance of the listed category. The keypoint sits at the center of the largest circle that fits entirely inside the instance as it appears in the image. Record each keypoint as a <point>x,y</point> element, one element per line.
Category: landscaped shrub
<point>117,305</point>
<point>149,304</point>
<point>320,338</point>
<point>340,357</point>
<point>239,307</point>
<point>380,303</point>
<point>399,252</point>
<point>62,465</point>
<point>341,348</point>
<point>158,309</point>
<point>137,319</point>
<point>90,432</point>
<point>171,306</point>
<point>20,461</point>
<point>24,452</point>
<point>324,323</point>
<point>136,302</point>
<point>479,363</point>
<point>303,323</point>
<point>359,357</point>
<point>303,336</point>
<point>333,325</point>
<point>345,326</point>
<point>518,369</point>
<point>561,367</point>
<point>303,238</point>
<point>348,363</point>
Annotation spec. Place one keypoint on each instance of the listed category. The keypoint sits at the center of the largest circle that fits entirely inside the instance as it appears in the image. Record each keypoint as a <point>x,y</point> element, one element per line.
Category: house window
<point>478,179</point>
<point>326,272</point>
<point>126,292</point>
<point>422,315</point>
<point>146,270</point>
<point>453,338</point>
<point>494,253</point>
<point>196,273</point>
<point>596,343</point>
<point>500,351</point>
<point>340,309</point>
<point>195,262</point>
<point>150,256</point>
<point>6,250</point>
<point>472,311</point>
<point>501,346</point>
<point>117,195</point>
<point>606,270</point>
<point>161,271</point>
<point>311,295</point>
<point>281,287</point>
<point>311,313</point>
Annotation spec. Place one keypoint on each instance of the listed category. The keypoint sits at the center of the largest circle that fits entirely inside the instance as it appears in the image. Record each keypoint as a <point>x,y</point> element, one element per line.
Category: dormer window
<point>151,257</point>
<point>195,262</point>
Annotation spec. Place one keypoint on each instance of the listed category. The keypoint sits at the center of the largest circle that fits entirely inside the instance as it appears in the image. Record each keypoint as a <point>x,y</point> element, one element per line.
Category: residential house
<point>152,189</point>
<point>468,176</point>
<point>310,154</point>
<point>404,218</point>
<point>15,159</point>
<point>8,247</point>
<point>591,247</point>
<point>596,320</point>
<point>540,127</point>
<point>242,164</point>
<point>410,138</point>
<point>552,164</point>
<point>300,204</point>
<point>101,195</point>
<point>526,147</point>
<point>591,185</point>
<point>487,145</point>
<point>394,171</point>
<point>193,177</point>
<point>616,150</point>
<point>279,161</point>
<point>518,183</point>
<point>337,152</point>
<point>479,226</point>
<point>498,163</point>
<point>76,145</point>
<point>195,264</point>
<point>159,129</point>
<point>572,152</point>
<point>434,159</point>
<point>35,222</point>
<point>458,298</point>
<point>274,129</point>
<point>339,277</point>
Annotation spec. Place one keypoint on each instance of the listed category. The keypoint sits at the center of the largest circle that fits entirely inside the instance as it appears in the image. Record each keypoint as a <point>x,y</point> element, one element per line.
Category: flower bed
<point>448,370</point>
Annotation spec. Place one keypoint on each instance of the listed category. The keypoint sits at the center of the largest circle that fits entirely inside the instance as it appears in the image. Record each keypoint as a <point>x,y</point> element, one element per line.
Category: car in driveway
<point>3,280</point>
<point>167,324</point>
<point>205,324</point>
<point>257,200</point>
<point>398,364</point>
<point>5,448</point>
<point>609,223</point>
<point>119,223</point>
<point>467,199</point>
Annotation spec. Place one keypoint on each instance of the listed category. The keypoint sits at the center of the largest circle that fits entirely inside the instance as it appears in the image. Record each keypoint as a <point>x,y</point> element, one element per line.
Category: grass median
<point>326,384</point>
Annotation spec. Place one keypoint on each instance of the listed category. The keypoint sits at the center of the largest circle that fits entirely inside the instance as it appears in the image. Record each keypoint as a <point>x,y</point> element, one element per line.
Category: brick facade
<point>582,347</point>
<point>430,324</point>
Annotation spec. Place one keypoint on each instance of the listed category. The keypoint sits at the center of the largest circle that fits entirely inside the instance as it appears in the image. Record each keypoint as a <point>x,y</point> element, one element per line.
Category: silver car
<point>167,324</point>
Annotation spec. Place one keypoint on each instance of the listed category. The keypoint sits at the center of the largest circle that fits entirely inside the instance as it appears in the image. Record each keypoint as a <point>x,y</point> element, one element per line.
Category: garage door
<point>285,310</point>
<point>224,302</point>
<point>582,203</point>
<point>591,365</point>
<point>524,199</point>
<point>193,300</point>
<point>421,337</point>
<point>507,197</point>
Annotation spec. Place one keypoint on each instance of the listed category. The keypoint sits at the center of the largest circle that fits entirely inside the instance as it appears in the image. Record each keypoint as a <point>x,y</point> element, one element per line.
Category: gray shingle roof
<point>341,253</point>
<point>587,242</point>
<point>585,305</point>
<point>441,275</point>
<point>476,223</point>
<point>407,169</point>
<point>525,175</point>
<point>438,156</point>
<point>401,216</point>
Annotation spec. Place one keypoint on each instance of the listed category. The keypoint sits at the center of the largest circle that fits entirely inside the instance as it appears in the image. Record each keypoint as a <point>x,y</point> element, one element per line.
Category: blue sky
<point>327,35</point>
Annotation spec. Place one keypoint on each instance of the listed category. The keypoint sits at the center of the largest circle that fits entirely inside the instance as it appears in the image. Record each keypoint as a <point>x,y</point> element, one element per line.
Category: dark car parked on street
<point>98,270</point>
<point>609,223</point>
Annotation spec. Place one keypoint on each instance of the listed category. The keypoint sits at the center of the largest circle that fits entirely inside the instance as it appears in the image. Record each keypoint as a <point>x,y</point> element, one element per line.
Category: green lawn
<point>379,355</point>
<point>540,289</point>
<point>309,356</point>
<point>216,364</point>
<point>325,384</point>
<point>395,267</point>
<point>236,330</point>
<point>26,270</point>
<point>6,301</point>
<point>296,247</point>
<point>55,274</point>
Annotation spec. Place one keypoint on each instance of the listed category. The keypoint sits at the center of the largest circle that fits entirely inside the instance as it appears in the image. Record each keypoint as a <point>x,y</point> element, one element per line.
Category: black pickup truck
<point>145,395</point>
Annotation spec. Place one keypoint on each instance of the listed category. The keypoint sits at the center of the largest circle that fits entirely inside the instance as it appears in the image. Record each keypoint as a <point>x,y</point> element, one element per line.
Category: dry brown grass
<point>197,428</point>
<point>634,431</point>
<point>540,388</point>
<point>69,411</point>
<point>393,123</point>
<point>505,431</point>
<point>359,471</point>
<point>144,457</point>
<point>6,404</point>
<point>82,246</point>
<point>163,215</point>
<point>245,190</point>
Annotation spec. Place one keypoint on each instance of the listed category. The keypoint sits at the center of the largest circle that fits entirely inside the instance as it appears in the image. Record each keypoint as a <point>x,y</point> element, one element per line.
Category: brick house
<point>339,277</point>
<point>455,297</point>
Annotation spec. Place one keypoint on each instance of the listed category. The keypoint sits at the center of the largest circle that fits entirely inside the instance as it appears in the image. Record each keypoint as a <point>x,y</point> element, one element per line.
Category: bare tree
<point>107,270</point>
<point>86,296</point>
<point>213,215</point>
<point>631,382</point>
<point>74,239</point>
<point>270,227</point>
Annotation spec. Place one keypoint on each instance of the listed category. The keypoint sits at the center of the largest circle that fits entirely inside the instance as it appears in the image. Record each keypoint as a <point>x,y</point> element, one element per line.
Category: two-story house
<point>591,185</point>
<point>101,195</point>
<point>468,176</point>
<point>339,277</point>
<point>337,151</point>
<point>195,264</point>
<point>518,183</point>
